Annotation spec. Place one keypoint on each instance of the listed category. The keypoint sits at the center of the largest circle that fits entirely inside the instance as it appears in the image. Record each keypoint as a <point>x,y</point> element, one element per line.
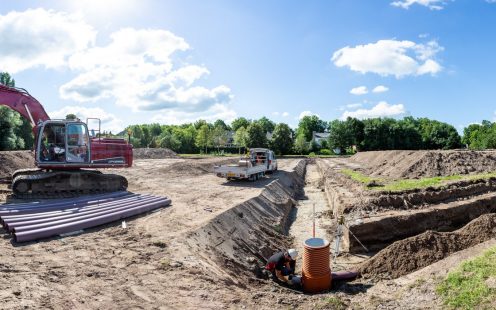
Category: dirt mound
<point>240,240</point>
<point>408,255</point>
<point>416,164</point>
<point>155,153</point>
<point>199,166</point>
<point>14,160</point>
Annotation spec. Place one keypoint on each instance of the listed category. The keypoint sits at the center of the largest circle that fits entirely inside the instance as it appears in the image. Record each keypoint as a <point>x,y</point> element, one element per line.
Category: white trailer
<point>256,165</point>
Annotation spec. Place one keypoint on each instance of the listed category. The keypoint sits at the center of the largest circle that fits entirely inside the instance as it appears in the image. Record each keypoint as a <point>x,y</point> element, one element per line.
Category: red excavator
<point>64,151</point>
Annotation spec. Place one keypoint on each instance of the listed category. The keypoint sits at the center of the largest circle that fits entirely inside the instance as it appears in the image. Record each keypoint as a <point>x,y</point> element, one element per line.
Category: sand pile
<point>14,160</point>
<point>416,164</point>
<point>408,255</point>
<point>199,166</point>
<point>155,153</point>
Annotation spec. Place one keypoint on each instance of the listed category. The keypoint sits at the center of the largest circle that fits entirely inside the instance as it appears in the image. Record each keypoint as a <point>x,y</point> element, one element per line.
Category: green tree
<point>240,122</point>
<point>241,138</point>
<point>256,136</point>
<point>169,140</point>
<point>199,123</point>
<point>309,124</point>
<point>71,116</point>
<point>9,121</point>
<point>6,79</point>
<point>301,145</point>
<point>16,132</point>
<point>282,139</point>
<point>221,123</point>
<point>204,137</point>
<point>219,136</point>
<point>267,124</point>
<point>339,136</point>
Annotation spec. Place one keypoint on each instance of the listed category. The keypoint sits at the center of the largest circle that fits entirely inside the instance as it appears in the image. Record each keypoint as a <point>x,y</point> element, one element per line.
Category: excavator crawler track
<point>60,184</point>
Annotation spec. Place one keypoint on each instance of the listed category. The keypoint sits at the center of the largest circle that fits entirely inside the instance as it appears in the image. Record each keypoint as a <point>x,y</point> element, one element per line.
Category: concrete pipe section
<point>316,273</point>
<point>32,221</point>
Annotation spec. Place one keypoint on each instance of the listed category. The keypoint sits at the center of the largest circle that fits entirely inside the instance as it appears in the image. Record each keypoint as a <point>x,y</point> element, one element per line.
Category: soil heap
<point>408,255</point>
<point>153,153</point>
<point>418,164</point>
<point>13,160</point>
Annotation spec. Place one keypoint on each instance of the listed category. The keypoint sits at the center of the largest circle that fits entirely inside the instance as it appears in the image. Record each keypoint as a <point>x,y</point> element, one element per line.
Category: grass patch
<point>332,303</point>
<point>466,287</point>
<point>359,177</point>
<point>407,184</point>
<point>401,185</point>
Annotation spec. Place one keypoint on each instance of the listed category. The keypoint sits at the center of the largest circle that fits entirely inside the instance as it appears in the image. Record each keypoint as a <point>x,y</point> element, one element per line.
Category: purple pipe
<point>62,201</point>
<point>87,223</point>
<point>49,214</point>
<point>24,226</point>
<point>53,207</point>
<point>9,223</point>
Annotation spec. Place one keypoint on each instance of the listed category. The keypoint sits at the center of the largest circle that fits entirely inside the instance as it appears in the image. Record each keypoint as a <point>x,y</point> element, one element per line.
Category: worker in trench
<point>282,266</point>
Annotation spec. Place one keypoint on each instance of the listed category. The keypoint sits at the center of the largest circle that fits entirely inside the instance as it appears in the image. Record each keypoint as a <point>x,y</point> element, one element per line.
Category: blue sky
<point>131,61</point>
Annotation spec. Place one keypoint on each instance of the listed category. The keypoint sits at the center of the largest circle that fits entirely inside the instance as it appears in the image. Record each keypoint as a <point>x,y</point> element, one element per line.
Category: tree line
<point>348,135</point>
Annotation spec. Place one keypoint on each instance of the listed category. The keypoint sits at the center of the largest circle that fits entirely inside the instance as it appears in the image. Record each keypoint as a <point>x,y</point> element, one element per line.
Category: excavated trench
<point>410,235</point>
<point>413,228</point>
<point>237,242</point>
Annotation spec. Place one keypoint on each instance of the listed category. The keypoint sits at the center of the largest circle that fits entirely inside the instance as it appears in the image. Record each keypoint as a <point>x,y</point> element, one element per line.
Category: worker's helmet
<point>293,253</point>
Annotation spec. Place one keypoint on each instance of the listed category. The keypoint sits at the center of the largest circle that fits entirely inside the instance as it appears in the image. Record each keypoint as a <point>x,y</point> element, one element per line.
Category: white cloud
<point>431,4</point>
<point>138,69</point>
<point>108,120</point>
<point>382,109</point>
<point>354,105</point>
<point>390,57</point>
<point>177,117</point>
<point>307,113</point>
<point>41,38</point>
<point>360,90</point>
<point>380,89</point>
<point>283,114</point>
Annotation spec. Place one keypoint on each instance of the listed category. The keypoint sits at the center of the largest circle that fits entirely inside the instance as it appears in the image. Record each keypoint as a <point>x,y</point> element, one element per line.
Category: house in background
<point>318,137</point>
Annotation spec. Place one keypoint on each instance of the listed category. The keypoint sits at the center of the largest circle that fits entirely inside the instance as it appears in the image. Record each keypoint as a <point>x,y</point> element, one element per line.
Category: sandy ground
<point>151,265</point>
<point>303,215</point>
<point>147,264</point>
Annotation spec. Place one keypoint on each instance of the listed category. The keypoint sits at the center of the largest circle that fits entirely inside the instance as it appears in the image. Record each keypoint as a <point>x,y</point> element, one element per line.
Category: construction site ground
<point>206,250</point>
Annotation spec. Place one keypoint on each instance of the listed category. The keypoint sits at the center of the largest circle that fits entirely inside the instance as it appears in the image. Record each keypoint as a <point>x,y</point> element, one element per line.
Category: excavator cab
<point>64,142</point>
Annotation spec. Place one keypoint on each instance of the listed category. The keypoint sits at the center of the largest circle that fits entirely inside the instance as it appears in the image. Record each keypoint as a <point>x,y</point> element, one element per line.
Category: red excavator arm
<point>20,100</point>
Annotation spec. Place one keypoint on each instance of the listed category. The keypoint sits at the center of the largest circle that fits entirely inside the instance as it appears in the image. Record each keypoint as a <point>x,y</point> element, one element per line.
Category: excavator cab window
<point>53,143</point>
<point>77,143</point>
<point>64,143</point>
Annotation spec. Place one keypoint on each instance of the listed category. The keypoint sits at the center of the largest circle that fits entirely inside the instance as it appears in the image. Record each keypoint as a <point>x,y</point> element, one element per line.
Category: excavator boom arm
<point>21,101</point>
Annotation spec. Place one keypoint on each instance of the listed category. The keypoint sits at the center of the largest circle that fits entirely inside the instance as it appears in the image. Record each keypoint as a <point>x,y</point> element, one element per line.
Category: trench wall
<point>415,198</point>
<point>377,233</point>
<point>239,240</point>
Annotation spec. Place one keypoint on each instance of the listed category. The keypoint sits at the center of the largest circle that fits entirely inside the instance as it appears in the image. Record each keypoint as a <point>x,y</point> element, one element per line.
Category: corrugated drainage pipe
<point>316,273</point>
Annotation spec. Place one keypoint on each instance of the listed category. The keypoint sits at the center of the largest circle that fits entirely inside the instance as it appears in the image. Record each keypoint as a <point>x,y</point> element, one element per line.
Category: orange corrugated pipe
<point>316,272</point>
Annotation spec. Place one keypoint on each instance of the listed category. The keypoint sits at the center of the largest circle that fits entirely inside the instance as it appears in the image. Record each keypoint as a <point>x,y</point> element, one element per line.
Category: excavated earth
<point>415,164</point>
<point>207,250</point>
<point>153,153</point>
<point>411,229</point>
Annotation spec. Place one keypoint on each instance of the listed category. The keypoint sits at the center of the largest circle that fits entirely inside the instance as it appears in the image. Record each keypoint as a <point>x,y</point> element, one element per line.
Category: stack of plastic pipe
<point>32,221</point>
